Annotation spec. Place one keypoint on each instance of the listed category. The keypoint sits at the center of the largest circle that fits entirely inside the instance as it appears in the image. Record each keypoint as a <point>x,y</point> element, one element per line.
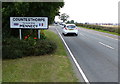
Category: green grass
<point>60,48</point>
<point>102,31</point>
<point>48,68</point>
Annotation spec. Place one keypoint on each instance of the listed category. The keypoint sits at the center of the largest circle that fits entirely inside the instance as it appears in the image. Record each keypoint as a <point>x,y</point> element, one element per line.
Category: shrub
<point>11,49</point>
<point>15,48</point>
<point>41,47</point>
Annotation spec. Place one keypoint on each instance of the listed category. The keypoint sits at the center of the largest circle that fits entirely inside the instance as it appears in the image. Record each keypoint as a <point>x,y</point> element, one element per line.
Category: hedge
<point>110,29</point>
<point>14,48</point>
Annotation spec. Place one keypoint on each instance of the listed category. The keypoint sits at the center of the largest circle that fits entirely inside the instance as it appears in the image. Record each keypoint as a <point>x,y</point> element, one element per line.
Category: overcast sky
<point>92,11</point>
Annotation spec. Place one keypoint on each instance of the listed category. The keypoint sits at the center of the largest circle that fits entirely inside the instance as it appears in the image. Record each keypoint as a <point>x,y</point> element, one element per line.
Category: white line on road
<point>78,66</point>
<point>111,38</point>
<point>82,34</point>
<point>102,35</point>
<point>106,45</point>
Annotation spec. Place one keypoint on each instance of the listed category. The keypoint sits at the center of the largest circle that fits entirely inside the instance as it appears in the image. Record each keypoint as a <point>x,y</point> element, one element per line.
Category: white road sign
<point>29,22</point>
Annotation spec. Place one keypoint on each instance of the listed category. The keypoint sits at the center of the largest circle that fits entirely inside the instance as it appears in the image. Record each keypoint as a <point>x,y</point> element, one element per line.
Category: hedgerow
<point>14,48</point>
<point>110,29</point>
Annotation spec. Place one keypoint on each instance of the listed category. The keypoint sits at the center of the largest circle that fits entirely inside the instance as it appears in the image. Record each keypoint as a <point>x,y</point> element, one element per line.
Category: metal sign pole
<point>38,34</point>
<point>20,34</point>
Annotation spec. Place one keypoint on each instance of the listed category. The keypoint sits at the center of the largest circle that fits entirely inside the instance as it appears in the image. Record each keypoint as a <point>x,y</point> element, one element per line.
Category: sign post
<point>29,23</point>
<point>20,34</point>
<point>38,34</point>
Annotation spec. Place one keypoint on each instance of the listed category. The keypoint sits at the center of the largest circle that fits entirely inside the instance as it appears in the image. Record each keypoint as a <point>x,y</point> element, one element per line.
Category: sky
<point>92,11</point>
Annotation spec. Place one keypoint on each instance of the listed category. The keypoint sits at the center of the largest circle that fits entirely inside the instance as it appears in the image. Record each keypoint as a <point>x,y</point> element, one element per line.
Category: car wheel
<point>76,34</point>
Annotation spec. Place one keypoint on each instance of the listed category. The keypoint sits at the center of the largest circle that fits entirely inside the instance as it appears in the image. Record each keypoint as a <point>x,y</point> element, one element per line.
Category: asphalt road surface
<point>96,53</point>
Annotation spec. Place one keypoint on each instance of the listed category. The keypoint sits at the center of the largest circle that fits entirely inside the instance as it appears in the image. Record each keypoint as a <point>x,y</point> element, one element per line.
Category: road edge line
<point>75,61</point>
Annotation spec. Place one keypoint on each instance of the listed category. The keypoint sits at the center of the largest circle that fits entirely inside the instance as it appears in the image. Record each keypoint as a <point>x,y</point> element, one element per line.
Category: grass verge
<point>102,31</point>
<point>48,68</point>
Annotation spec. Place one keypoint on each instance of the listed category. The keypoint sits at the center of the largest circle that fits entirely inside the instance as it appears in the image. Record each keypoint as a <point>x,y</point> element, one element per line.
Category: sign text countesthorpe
<point>29,22</point>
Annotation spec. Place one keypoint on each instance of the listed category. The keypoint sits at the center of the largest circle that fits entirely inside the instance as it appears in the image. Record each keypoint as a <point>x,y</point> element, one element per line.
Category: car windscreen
<point>71,26</point>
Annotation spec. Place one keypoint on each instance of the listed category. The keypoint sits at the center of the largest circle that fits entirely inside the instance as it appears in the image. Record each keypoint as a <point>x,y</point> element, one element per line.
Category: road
<point>96,53</point>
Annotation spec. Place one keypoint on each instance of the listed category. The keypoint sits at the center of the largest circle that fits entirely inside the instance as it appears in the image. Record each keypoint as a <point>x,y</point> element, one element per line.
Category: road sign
<point>29,22</point>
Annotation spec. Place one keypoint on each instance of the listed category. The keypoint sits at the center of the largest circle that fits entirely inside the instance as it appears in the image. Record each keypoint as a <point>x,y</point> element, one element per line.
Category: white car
<point>62,24</point>
<point>70,29</point>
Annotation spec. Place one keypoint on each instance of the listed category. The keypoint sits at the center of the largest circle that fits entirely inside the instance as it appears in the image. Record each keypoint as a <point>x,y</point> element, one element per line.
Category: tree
<point>68,22</point>
<point>72,21</point>
<point>64,17</point>
<point>27,9</point>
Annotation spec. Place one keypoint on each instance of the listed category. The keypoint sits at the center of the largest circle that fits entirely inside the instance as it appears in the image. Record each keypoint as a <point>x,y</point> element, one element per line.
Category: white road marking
<point>102,35</point>
<point>75,61</point>
<point>111,38</point>
<point>82,34</point>
<point>106,45</point>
